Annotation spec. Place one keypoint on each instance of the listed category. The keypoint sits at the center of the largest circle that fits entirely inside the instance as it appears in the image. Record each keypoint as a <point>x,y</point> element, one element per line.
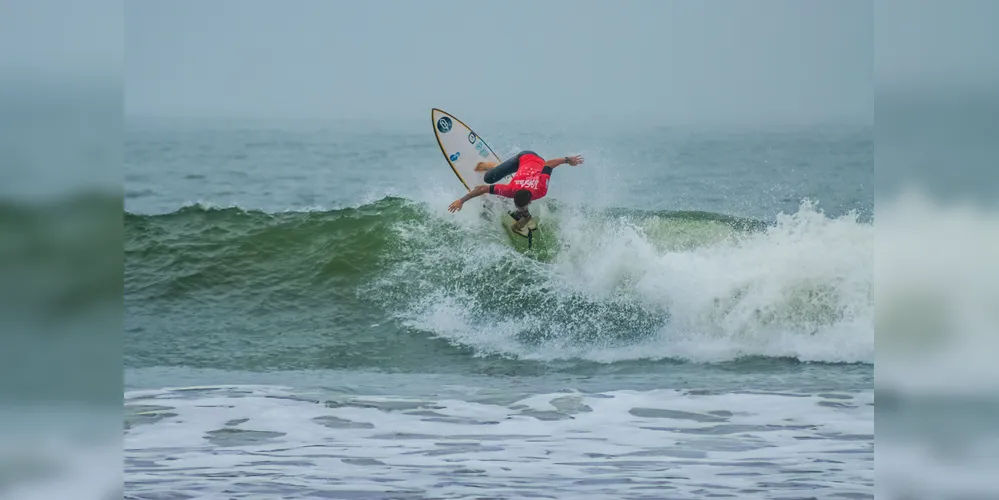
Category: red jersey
<point>531,175</point>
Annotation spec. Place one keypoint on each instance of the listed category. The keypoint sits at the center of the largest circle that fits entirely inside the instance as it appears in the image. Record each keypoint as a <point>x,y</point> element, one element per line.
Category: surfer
<point>530,181</point>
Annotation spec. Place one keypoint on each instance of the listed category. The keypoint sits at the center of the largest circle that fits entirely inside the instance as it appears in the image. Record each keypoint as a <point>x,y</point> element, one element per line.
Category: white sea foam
<point>938,317</point>
<point>267,441</point>
<point>938,296</point>
<point>800,289</point>
<point>59,451</point>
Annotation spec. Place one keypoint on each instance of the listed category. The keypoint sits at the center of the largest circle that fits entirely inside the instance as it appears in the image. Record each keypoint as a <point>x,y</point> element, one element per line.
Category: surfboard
<point>462,147</point>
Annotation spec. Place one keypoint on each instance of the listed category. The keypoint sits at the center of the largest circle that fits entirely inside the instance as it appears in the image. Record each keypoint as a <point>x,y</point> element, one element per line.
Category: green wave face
<point>394,285</point>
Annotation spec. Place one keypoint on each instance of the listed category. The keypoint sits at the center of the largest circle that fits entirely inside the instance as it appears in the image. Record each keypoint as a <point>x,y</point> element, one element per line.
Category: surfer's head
<point>522,198</point>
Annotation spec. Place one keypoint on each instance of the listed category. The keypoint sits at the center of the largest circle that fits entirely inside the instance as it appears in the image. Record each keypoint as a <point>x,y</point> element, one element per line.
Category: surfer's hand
<point>455,206</point>
<point>574,160</point>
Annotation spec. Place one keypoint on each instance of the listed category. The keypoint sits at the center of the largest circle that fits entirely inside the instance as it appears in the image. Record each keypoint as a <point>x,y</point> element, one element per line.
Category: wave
<point>616,285</point>
<point>938,311</point>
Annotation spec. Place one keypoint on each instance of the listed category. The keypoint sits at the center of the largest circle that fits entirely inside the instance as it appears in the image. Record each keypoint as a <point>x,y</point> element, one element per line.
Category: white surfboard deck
<point>462,147</point>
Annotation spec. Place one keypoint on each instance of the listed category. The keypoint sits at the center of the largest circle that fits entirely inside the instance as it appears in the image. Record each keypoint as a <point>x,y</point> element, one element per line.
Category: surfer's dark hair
<point>522,198</point>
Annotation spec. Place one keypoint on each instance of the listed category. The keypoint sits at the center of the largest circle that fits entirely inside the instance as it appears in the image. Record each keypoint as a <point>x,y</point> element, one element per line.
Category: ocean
<point>304,318</point>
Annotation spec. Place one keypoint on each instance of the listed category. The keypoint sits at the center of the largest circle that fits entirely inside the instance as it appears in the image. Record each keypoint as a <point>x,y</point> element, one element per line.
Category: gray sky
<point>935,44</point>
<point>60,41</point>
<point>670,61</point>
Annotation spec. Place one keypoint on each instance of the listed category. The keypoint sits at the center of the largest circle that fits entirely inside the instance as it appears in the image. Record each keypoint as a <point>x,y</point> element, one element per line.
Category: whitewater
<point>693,290</point>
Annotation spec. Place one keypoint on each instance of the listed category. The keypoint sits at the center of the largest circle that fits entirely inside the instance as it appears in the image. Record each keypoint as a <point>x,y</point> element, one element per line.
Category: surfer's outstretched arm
<point>571,160</point>
<point>477,191</point>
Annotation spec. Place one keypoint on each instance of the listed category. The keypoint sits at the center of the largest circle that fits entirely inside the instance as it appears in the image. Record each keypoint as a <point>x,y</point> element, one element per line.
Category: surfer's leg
<point>504,169</point>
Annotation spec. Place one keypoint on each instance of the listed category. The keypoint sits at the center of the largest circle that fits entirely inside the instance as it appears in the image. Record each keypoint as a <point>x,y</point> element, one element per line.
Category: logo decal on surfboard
<point>455,156</point>
<point>444,125</point>
<point>483,150</point>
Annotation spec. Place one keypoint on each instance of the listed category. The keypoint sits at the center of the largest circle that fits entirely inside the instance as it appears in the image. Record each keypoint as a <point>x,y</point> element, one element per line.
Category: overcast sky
<point>673,61</point>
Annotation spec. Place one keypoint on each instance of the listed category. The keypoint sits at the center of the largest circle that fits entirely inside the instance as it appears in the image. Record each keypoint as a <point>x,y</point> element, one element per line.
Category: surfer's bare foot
<point>482,166</point>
